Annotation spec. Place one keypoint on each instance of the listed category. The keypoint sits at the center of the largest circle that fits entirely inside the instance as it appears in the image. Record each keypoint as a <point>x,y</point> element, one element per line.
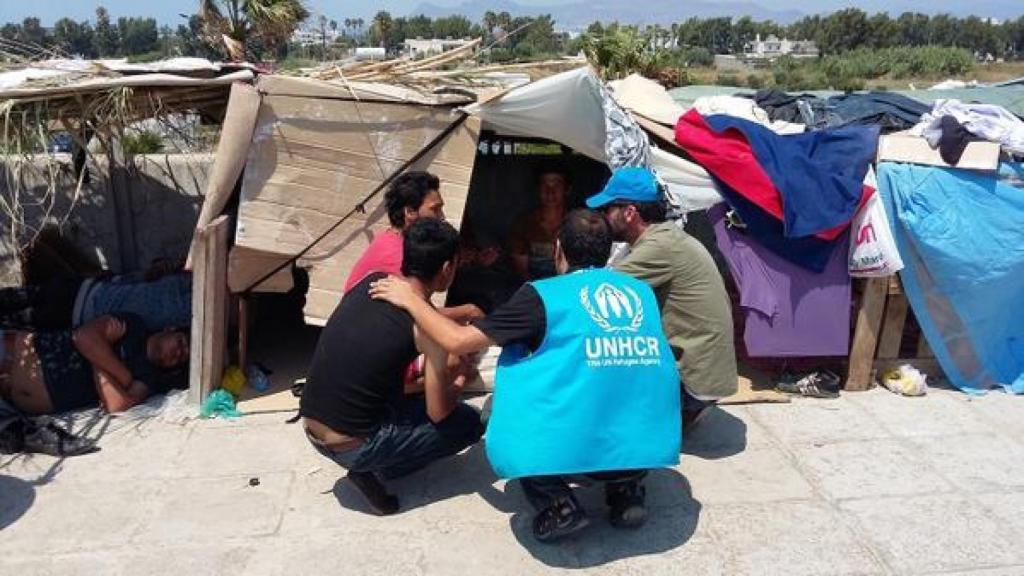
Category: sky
<point>167,11</point>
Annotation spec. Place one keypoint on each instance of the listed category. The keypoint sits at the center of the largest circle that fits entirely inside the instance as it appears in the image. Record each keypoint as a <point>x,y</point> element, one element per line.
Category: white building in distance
<point>422,48</point>
<point>771,48</point>
<point>313,36</point>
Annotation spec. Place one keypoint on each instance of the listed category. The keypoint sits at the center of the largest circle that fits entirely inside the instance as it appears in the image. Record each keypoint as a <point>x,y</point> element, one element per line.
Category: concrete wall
<point>120,221</point>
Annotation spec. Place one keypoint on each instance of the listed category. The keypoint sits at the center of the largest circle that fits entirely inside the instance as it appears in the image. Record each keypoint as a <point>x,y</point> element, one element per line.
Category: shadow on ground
<point>16,497</point>
<point>717,435</point>
<point>463,474</point>
<point>672,521</point>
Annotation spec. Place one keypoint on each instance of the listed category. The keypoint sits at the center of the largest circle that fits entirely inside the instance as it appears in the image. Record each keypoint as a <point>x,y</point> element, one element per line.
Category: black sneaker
<point>12,437</point>
<point>53,440</point>
<point>376,494</point>
<point>626,504</point>
<point>559,520</point>
<point>819,384</point>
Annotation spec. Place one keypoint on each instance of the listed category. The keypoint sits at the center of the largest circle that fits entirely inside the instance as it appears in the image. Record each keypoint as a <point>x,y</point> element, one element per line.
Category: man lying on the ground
<point>586,383</point>
<point>161,297</point>
<point>22,434</point>
<point>353,407</point>
<point>112,362</point>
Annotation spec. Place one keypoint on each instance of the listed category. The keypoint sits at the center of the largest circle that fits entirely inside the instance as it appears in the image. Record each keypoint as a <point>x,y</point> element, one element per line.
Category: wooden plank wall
<point>209,309</point>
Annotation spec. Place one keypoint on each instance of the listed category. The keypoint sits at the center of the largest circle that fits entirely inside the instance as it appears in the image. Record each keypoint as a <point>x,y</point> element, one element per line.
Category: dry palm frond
<point>273,21</point>
<point>38,188</point>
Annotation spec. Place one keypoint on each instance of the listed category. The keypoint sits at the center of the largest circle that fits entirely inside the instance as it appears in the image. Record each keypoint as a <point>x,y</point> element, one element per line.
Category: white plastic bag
<point>872,247</point>
<point>906,380</point>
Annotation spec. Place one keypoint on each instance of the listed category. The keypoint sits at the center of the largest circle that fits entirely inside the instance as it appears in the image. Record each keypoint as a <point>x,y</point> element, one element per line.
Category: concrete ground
<point>871,483</point>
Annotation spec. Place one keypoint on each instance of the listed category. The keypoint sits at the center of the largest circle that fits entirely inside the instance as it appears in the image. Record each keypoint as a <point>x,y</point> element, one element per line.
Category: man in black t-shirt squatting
<point>354,408</point>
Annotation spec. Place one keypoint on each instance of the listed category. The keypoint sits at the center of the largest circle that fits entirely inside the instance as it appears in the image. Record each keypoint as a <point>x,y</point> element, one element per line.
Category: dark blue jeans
<point>410,440</point>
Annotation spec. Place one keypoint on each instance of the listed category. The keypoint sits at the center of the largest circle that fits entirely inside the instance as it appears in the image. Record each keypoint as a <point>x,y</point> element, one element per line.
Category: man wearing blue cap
<point>695,310</point>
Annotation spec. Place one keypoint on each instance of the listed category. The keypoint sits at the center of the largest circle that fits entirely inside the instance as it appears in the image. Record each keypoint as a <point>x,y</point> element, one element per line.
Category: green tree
<point>624,50</point>
<point>942,30</point>
<point>843,31</point>
<point>75,38</point>
<point>10,31</point>
<point>242,24</point>
<point>490,22</point>
<point>107,40</point>
<point>744,30</point>
<point>452,27</point>
<point>882,31</point>
<point>419,27</point>
<point>807,28</point>
<point>32,33</point>
<point>190,41</point>
<point>540,38</point>
<point>912,30</point>
<point>138,35</point>
<point>381,28</point>
<point>504,21</point>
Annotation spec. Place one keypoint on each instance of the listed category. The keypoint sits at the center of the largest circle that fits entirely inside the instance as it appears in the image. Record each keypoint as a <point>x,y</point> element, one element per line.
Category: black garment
<point>893,112</point>
<point>786,107</point>
<point>39,308</point>
<point>355,379</point>
<point>521,320</point>
<point>954,140</point>
<point>68,376</point>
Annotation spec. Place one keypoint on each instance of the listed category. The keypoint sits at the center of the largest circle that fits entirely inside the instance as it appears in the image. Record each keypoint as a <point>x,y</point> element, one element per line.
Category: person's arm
<point>450,335</point>
<point>95,341</point>
<point>440,391</point>
<point>115,398</point>
<point>463,314</point>
<point>519,249</point>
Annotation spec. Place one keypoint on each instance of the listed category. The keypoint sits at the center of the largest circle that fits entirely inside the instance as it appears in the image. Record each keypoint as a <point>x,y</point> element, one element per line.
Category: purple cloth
<point>789,310</point>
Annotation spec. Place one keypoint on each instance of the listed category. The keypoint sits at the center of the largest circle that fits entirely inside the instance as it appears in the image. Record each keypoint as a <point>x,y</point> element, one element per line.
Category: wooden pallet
<point>878,336</point>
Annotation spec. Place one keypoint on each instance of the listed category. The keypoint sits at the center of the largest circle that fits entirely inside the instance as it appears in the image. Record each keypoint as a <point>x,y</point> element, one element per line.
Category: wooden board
<point>865,337</point>
<point>892,328</point>
<point>209,310</point>
<point>914,149</point>
<point>313,161</point>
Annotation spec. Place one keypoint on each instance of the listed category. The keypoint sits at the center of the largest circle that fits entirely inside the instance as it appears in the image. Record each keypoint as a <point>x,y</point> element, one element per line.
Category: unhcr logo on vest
<point>620,313</point>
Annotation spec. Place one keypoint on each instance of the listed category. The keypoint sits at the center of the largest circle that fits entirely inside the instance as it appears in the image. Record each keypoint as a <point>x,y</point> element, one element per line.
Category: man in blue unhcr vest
<point>586,383</point>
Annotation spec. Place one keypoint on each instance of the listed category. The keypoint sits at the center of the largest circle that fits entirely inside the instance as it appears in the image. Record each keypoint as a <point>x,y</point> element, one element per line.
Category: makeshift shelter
<point>116,210</point>
<point>309,161</point>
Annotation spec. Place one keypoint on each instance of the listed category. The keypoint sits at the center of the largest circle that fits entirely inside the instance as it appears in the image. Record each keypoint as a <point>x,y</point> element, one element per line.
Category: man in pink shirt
<point>412,195</point>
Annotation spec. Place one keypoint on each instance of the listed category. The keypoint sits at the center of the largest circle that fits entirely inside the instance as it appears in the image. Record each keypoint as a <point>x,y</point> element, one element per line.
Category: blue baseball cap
<point>629,185</point>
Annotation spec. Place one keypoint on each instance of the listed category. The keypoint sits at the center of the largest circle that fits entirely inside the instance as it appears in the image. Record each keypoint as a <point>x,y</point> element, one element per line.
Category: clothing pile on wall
<point>888,111</point>
<point>802,212</point>
<point>784,228</point>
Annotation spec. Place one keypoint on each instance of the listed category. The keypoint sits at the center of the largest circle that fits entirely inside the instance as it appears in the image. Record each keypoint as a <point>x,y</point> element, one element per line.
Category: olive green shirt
<point>695,309</point>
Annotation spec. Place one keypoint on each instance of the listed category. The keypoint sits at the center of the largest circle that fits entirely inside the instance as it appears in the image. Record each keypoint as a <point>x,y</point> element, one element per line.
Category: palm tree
<point>322,21</point>
<point>382,23</point>
<point>358,23</point>
<point>504,21</point>
<point>348,25</point>
<point>490,22</point>
<point>236,22</point>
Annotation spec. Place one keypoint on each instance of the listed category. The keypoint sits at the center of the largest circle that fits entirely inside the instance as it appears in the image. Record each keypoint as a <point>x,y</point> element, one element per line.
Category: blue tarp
<point>961,236</point>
